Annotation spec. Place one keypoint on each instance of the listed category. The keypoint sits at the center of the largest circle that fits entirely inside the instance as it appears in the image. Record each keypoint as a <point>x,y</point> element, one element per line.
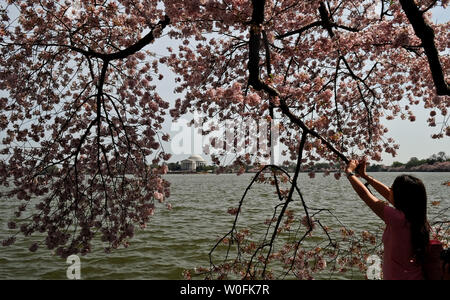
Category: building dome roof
<point>196,158</point>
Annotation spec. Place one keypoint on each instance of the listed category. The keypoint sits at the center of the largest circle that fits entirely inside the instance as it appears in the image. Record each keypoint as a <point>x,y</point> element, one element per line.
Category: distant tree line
<point>439,162</point>
<point>415,162</point>
<point>176,167</point>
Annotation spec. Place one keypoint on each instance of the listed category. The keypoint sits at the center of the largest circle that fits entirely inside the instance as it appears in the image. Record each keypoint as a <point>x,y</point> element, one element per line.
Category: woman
<point>406,235</point>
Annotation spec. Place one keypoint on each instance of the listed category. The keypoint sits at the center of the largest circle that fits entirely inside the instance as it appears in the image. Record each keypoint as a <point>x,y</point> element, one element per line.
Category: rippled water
<point>182,238</point>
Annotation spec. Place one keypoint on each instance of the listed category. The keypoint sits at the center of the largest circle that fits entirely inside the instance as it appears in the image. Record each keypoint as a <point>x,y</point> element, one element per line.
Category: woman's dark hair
<point>410,197</point>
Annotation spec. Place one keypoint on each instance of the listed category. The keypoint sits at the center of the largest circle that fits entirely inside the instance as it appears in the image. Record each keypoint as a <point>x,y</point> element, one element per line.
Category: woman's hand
<point>351,167</point>
<point>361,168</point>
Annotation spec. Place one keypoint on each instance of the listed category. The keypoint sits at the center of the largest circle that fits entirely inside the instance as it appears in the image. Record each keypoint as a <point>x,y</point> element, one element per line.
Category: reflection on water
<point>182,238</point>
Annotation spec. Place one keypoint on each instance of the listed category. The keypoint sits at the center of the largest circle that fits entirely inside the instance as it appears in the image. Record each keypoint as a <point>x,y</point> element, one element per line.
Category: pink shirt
<point>398,262</point>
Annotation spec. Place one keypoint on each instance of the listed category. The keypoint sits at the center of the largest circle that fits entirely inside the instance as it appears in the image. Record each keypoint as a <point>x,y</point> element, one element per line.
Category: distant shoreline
<point>307,172</point>
<point>431,165</point>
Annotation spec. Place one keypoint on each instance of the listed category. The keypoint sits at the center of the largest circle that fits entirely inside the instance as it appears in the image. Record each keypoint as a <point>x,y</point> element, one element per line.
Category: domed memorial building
<point>192,163</point>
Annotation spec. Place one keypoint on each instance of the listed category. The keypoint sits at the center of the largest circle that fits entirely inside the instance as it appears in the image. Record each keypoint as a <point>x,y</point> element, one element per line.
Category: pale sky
<point>414,139</point>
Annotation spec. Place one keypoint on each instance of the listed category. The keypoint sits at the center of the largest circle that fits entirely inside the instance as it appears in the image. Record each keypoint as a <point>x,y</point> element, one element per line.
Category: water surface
<point>182,238</point>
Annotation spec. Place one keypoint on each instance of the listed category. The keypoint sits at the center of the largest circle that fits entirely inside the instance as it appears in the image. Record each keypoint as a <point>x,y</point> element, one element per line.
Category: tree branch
<point>256,82</point>
<point>121,54</point>
<point>301,30</point>
<point>426,34</point>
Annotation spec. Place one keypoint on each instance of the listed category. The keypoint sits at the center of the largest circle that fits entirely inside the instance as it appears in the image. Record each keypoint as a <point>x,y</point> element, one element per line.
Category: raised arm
<point>381,188</point>
<point>373,202</point>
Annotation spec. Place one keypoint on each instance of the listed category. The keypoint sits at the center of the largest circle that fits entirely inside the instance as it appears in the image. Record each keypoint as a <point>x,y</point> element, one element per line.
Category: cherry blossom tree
<point>83,120</point>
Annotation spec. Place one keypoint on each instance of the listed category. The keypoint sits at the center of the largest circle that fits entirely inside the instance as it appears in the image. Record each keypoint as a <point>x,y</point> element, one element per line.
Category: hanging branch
<point>427,36</point>
<point>289,199</point>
